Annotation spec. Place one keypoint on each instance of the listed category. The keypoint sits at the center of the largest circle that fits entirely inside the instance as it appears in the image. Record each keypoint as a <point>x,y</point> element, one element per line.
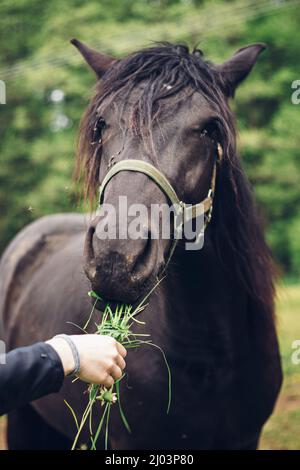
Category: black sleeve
<point>29,373</point>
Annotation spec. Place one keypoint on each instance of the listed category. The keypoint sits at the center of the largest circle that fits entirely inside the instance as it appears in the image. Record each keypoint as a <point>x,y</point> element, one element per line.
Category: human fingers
<point>115,372</point>
<point>108,381</point>
<point>120,362</point>
<point>121,349</point>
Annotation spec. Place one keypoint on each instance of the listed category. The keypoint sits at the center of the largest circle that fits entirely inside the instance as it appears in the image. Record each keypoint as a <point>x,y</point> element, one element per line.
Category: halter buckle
<point>210,193</point>
<point>208,216</point>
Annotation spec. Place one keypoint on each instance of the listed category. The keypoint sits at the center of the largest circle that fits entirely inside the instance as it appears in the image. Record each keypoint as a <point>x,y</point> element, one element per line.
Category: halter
<point>186,211</point>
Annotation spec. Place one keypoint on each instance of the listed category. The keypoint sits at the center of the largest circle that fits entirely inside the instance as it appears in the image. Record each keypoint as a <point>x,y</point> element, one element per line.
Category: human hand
<point>101,357</point>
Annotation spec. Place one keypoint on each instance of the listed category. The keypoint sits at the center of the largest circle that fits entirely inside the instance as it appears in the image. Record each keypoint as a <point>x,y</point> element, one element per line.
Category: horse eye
<point>210,130</point>
<point>100,124</point>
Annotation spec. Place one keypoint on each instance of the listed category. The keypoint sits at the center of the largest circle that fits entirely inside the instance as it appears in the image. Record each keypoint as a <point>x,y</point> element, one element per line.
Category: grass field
<point>282,431</point>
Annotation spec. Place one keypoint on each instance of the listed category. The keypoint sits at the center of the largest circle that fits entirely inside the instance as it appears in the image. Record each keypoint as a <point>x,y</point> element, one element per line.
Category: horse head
<point>167,108</point>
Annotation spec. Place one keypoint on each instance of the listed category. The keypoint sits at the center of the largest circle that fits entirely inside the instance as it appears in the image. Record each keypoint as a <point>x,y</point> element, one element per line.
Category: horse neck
<point>188,292</point>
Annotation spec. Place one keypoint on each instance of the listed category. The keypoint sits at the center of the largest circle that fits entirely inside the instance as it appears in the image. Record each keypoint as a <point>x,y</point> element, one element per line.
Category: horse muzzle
<point>120,269</point>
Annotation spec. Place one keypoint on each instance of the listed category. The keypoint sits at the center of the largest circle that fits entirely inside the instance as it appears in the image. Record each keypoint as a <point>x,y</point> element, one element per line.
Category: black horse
<point>213,314</point>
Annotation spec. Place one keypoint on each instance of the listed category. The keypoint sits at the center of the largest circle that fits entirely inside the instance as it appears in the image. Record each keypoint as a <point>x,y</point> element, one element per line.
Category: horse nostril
<point>88,246</point>
<point>89,255</point>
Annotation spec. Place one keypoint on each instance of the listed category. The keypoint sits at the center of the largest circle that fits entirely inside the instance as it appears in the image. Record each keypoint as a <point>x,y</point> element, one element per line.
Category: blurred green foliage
<point>38,127</point>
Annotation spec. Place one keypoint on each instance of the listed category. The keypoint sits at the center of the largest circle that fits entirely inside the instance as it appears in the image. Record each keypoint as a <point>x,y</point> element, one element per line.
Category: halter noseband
<point>186,211</point>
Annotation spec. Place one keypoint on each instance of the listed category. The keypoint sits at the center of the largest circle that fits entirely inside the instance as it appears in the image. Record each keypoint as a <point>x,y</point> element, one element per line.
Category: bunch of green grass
<point>118,325</point>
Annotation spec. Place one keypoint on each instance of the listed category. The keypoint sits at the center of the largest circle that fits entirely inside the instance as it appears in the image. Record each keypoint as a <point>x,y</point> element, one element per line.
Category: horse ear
<point>236,69</point>
<point>100,63</point>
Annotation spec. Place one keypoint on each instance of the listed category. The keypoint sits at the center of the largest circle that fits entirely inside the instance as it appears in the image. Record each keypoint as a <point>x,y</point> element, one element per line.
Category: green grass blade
<point>169,373</point>
<point>90,317</point>
<point>126,424</point>
<point>73,414</point>
<point>77,326</point>
<point>141,304</point>
<point>106,427</point>
<point>83,420</point>
<point>94,440</point>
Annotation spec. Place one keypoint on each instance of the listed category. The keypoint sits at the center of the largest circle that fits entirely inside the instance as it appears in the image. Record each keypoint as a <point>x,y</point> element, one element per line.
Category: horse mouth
<point>134,300</point>
<point>101,303</point>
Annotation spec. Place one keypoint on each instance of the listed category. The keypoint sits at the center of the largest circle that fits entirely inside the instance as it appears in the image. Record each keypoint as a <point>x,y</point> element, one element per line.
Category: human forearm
<point>28,374</point>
